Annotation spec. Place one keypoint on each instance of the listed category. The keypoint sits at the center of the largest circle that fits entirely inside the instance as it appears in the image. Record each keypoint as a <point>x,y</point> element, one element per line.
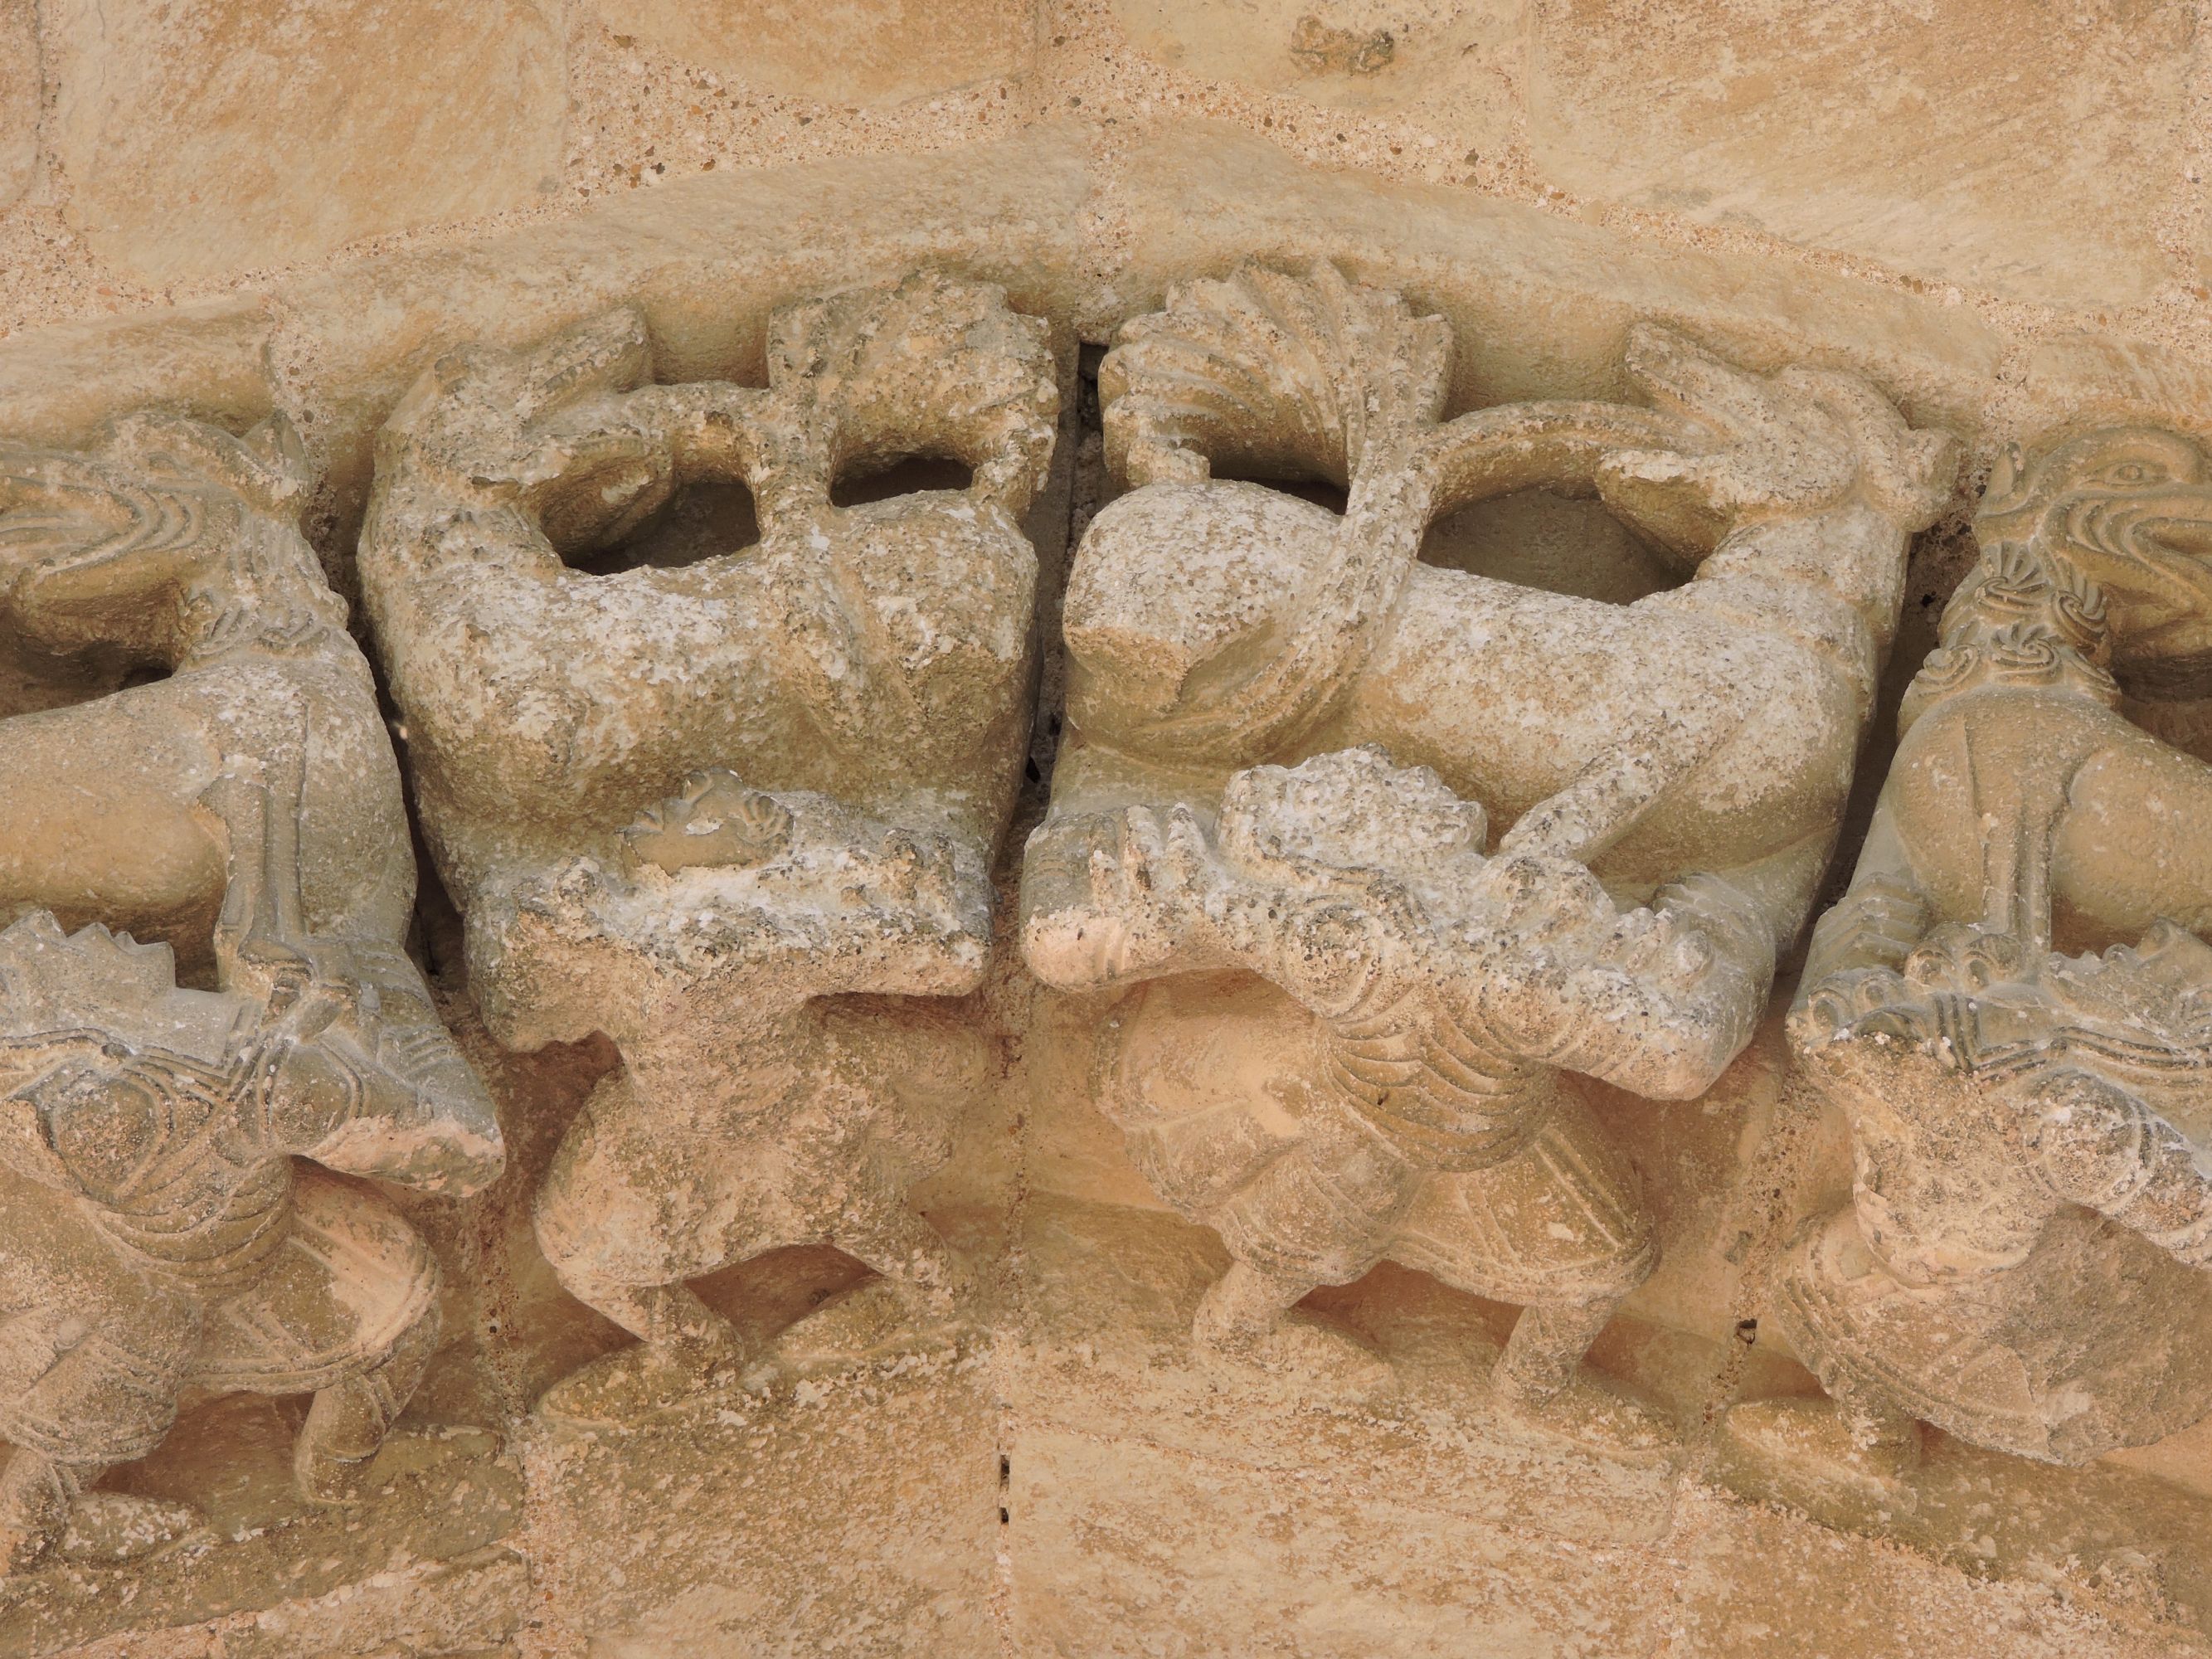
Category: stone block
<point>1127,1548</point>
<point>59,383</point>
<point>845,52</point>
<point>2082,377</point>
<point>732,1526</point>
<point>2027,150</point>
<point>203,138</point>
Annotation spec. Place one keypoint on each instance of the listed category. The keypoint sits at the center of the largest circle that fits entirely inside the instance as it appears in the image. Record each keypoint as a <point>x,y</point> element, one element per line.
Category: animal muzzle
<point>2149,525</point>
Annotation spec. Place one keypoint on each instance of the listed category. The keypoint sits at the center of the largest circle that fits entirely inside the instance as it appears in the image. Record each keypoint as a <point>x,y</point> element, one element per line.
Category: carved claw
<point>1840,1002</point>
<point>1108,894</point>
<point>1958,957</point>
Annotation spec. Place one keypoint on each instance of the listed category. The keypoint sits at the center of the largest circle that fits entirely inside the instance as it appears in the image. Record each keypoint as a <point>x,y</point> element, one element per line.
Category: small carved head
<point>2130,508</point>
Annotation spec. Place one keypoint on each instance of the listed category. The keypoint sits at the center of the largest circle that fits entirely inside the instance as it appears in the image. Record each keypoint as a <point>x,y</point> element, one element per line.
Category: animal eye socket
<point>2133,472</point>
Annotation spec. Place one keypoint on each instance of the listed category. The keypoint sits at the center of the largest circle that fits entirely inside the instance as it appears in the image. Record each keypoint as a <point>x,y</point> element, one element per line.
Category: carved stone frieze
<point>1670,777</point>
<point>192,751</point>
<point>700,806</point>
<point>1348,1138</point>
<point>2010,1006</point>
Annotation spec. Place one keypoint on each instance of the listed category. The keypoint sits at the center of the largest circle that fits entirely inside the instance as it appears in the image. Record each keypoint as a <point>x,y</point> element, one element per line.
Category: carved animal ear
<point>1271,375</point>
<point>934,368</point>
<point>2006,473</point>
<point>611,352</point>
<point>276,443</point>
<point>267,467</point>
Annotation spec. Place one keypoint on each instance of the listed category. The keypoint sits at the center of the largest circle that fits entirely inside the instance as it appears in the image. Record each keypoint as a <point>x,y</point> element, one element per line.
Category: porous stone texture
<point>846,51</point>
<point>1126,721</point>
<point>203,136</point>
<point>1449,66</point>
<point>19,100</point>
<point>1898,133</point>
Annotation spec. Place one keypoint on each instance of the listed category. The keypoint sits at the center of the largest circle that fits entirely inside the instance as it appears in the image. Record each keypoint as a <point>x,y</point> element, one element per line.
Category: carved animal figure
<point>863,672</point>
<point>2022,1260</point>
<point>1407,1102</point>
<point>1693,749</point>
<point>245,810</point>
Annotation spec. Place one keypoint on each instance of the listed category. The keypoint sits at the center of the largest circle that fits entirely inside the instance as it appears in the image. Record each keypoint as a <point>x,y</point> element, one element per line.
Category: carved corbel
<point>193,753</point>
<point>2009,1008</point>
<point>1670,775</point>
<point>704,809</point>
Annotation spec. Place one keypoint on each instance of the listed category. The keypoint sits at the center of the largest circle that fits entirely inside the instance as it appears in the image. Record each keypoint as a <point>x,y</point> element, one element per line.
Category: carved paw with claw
<point>1112,893</point>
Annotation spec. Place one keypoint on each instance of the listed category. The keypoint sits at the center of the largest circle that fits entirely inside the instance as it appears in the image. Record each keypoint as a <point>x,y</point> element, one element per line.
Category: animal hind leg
<point>36,1493</point>
<point>349,1419</point>
<point>879,1227</point>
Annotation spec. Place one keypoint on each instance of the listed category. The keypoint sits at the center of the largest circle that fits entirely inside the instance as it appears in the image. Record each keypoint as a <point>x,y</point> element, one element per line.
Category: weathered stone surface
<point>471,1604</point>
<point>1447,64</point>
<point>206,137</point>
<point>627,528</point>
<point>840,52</point>
<point>20,93</point>
<point>2026,148</point>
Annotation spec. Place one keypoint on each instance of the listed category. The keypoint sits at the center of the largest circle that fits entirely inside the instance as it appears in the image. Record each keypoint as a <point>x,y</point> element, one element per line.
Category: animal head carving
<point>2130,509</point>
<point>159,540</point>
